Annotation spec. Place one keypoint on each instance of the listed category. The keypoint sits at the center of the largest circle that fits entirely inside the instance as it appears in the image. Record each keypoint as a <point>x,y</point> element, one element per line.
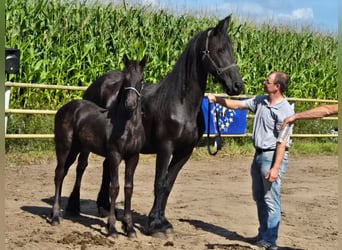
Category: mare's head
<point>133,82</point>
<point>219,59</point>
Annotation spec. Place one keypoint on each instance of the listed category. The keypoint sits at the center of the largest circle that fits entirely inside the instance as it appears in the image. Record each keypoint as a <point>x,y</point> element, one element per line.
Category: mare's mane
<point>176,84</point>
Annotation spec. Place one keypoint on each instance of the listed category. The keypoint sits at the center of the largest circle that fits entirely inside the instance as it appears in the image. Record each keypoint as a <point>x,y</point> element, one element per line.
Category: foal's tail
<point>64,125</point>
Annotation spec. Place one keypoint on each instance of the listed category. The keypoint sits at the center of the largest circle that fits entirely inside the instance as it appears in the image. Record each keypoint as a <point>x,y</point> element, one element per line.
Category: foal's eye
<point>219,51</point>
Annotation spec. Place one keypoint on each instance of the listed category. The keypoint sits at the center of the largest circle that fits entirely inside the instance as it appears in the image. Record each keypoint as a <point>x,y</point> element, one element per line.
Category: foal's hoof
<point>114,235</point>
<point>112,231</point>
<point>132,235</point>
<point>129,231</point>
<point>54,221</point>
<point>102,212</point>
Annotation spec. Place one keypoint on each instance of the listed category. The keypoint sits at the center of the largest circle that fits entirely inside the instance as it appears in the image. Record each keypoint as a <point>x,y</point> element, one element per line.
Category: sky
<point>320,15</point>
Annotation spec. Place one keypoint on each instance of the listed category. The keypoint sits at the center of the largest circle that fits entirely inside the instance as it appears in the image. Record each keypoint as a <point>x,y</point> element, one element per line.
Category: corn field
<point>66,42</point>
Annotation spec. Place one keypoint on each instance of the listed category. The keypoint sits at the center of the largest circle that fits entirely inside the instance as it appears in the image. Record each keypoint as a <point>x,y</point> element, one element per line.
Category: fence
<point>9,111</point>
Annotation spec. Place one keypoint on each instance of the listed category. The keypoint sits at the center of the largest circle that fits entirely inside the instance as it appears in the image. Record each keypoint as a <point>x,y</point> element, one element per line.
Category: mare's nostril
<point>238,86</point>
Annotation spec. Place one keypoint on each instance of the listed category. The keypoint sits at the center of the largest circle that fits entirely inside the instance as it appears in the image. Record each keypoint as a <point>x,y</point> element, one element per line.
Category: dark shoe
<point>266,245</point>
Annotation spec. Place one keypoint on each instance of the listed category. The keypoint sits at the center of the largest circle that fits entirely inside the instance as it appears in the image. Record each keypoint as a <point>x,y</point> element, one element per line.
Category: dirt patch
<point>210,207</point>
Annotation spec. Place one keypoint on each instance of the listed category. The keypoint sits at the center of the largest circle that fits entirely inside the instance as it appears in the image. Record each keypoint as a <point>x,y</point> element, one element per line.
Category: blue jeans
<point>267,194</point>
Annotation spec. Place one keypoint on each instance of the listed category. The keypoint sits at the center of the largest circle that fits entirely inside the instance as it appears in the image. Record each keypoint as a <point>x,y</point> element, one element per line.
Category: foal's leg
<point>74,199</point>
<point>64,160</point>
<point>103,203</point>
<point>113,163</point>
<point>131,164</point>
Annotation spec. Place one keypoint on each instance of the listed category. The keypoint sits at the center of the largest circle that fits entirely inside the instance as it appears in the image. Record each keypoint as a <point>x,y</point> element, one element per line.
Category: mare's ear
<point>125,60</point>
<point>222,26</point>
<point>143,61</point>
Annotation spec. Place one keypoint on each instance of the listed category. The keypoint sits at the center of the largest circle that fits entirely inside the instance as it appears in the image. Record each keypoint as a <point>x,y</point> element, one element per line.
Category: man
<point>314,113</point>
<point>271,157</point>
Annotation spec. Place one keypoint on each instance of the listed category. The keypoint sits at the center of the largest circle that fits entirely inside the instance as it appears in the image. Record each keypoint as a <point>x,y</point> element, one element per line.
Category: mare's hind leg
<point>158,225</point>
<point>103,202</point>
<point>130,167</point>
<point>64,160</point>
<point>73,206</point>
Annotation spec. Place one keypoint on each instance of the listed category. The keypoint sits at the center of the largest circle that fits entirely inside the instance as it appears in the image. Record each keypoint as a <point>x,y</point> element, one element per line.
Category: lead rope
<point>217,139</point>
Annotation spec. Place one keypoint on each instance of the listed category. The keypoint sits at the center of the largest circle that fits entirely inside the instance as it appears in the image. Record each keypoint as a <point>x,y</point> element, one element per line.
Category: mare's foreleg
<point>130,166</point>
<point>103,203</point>
<point>157,223</point>
<point>165,179</point>
<point>64,160</point>
<point>113,163</point>
<point>176,164</point>
<point>74,199</point>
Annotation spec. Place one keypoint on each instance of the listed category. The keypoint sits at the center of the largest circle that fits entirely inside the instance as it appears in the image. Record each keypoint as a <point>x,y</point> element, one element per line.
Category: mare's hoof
<point>162,234</point>
<point>159,228</point>
<point>169,231</point>
<point>159,235</point>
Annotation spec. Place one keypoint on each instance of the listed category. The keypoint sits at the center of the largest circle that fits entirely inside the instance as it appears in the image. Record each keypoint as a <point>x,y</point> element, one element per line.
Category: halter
<point>206,52</point>
<point>135,90</point>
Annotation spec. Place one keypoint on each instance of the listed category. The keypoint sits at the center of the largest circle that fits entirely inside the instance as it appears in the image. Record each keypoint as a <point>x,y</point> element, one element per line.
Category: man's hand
<point>289,120</point>
<point>211,98</point>
<point>272,175</point>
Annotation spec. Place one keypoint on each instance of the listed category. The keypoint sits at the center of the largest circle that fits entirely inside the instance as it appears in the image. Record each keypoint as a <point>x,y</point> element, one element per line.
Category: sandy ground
<point>210,207</point>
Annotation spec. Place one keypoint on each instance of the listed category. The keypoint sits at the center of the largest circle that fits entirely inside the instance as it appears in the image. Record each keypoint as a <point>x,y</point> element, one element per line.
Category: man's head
<point>279,79</point>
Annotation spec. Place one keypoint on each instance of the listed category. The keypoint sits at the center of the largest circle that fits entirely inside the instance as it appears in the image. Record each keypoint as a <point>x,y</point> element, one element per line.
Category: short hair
<point>282,79</point>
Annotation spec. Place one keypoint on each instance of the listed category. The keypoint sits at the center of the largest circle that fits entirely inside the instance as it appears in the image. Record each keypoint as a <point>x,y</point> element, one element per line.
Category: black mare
<point>172,116</point>
<point>116,133</point>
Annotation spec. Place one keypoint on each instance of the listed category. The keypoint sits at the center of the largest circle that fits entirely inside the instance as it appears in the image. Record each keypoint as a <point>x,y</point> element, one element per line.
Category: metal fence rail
<point>77,88</point>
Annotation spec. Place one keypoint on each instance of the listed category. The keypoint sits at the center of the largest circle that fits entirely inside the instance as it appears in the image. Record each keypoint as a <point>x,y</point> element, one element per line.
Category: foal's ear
<point>142,63</point>
<point>222,26</point>
<point>125,60</point>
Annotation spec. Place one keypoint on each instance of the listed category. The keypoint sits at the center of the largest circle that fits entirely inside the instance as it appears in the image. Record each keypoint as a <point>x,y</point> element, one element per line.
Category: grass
<point>231,149</point>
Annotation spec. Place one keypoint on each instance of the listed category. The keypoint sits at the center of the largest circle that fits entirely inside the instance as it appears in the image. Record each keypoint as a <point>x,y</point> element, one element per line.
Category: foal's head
<point>133,81</point>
